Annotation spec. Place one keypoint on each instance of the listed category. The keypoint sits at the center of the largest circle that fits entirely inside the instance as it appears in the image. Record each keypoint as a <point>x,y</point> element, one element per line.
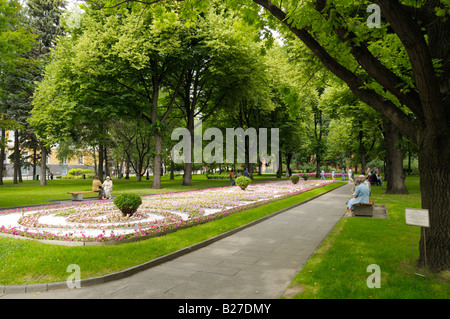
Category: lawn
<point>339,268</point>
<point>26,262</point>
<point>30,193</point>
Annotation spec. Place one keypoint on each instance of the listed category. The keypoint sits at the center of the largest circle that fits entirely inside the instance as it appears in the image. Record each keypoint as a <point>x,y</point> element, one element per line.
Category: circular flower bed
<point>102,221</point>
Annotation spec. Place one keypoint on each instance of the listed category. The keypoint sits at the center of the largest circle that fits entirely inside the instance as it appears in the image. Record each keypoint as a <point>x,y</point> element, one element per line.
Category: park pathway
<point>256,262</point>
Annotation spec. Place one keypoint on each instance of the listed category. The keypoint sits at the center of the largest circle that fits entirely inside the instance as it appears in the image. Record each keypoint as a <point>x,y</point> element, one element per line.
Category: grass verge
<point>338,269</point>
<point>27,262</point>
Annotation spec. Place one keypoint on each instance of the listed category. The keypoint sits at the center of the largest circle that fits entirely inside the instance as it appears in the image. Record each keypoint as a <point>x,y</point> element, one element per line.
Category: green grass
<point>338,270</point>
<point>26,262</point>
<point>30,193</point>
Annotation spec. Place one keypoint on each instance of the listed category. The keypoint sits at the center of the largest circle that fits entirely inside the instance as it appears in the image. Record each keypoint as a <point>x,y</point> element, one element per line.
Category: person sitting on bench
<point>97,187</point>
<point>360,196</point>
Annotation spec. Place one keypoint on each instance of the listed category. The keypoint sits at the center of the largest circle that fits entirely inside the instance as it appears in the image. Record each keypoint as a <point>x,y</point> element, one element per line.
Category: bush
<point>305,177</point>
<point>243,182</point>
<point>79,171</point>
<point>75,171</point>
<point>294,179</point>
<point>128,203</point>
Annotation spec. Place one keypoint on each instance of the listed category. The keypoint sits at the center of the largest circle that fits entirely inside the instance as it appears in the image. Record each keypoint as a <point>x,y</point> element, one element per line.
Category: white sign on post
<point>417,217</point>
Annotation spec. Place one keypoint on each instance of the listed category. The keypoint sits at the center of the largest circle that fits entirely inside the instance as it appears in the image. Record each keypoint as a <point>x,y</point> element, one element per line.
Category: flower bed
<point>326,174</point>
<point>101,221</point>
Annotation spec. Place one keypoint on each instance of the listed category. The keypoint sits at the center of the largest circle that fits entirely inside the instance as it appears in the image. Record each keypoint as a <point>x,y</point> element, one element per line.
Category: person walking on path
<point>322,175</point>
<point>350,178</point>
<point>332,175</point>
<point>343,174</point>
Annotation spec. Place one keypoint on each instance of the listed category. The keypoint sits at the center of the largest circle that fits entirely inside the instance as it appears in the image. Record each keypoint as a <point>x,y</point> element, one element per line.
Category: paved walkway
<point>256,262</point>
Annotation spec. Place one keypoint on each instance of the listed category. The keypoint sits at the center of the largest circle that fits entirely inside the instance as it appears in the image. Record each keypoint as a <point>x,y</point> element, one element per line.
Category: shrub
<point>305,177</point>
<point>128,203</point>
<point>75,171</point>
<point>243,182</point>
<point>294,179</point>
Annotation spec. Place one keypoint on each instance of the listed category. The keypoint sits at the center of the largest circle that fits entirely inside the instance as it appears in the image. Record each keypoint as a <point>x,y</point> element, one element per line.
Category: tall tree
<point>45,18</point>
<point>412,91</point>
<point>16,39</point>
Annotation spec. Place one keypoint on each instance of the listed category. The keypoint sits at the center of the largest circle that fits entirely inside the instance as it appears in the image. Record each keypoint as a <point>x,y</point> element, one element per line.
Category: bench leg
<point>77,197</point>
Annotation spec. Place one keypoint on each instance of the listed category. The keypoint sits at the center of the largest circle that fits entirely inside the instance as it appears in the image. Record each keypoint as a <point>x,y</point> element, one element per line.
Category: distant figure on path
<point>343,174</point>
<point>322,175</point>
<point>350,178</point>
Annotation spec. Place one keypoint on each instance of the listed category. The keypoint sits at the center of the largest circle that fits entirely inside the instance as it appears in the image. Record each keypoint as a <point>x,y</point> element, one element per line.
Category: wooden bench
<point>364,209</point>
<point>78,196</point>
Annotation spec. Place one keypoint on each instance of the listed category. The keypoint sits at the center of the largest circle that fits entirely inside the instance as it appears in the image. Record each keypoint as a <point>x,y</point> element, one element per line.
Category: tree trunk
<point>434,168</point>
<point>119,171</point>
<point>259,167</point>
<point>95,161</point>
<point>139,171</point>
<point>100,161</point>
<point>172,168</point>
<point>2,154</point>
<point>317,167</point>
<point>156,183</point>
<point>288,163</point>
<point>280,168</point>
<point>16,157</point>
<point>127,170</point>
<point>362,149</point>
<point>43,177</point>
<point>106,162</point>
<point>34,161</point>
<point>187,175</point>
<point>394,158</point>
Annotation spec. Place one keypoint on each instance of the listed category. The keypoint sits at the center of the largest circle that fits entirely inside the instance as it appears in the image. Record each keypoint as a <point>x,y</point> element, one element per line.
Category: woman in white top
<point>107,187</point>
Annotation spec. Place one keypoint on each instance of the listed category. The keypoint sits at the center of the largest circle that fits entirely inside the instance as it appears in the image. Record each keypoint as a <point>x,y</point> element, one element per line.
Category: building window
<point>24,171</point>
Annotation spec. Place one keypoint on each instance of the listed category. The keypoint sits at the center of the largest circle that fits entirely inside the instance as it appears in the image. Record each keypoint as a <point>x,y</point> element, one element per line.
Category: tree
<point>222,63</point>
<point>16,39</point>
<point>411,92</point>
<point>135,139</point>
